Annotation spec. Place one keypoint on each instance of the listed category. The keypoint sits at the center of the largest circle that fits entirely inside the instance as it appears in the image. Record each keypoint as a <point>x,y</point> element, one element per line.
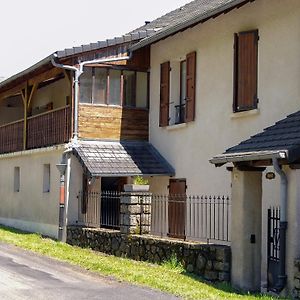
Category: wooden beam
<point>25,100</point>
<point>44,76</point>
<point>68,76</point>
<point>295,166</point>
<point>33,89</point>
<point>13,92</point>
<point>250,169</point>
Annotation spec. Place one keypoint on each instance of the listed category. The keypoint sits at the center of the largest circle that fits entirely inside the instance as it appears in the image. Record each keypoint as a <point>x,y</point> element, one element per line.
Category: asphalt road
<point>25,275</point>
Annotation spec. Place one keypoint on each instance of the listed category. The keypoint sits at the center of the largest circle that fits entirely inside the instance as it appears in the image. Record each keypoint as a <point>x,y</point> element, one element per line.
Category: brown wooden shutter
<point>190,86</point>
<point>164,94</point>
<point>177,208</point>
<point>245,70</point>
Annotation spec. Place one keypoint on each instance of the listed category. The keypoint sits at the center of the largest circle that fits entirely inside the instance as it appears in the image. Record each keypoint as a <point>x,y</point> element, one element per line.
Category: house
<point>213,74</point>
<point>59,114</point>
<point>220,75</point>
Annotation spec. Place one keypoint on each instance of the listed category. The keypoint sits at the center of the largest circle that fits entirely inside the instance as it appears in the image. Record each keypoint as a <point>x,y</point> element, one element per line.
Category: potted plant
<point>139,184</point>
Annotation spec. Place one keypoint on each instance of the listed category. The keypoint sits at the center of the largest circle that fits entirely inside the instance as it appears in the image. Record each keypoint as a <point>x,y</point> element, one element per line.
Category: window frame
<point>121,102</point>
<point>46,178</point>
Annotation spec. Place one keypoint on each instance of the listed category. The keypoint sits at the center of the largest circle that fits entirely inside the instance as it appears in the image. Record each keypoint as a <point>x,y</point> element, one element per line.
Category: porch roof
<point>282,140</point>
<point>125,158</point>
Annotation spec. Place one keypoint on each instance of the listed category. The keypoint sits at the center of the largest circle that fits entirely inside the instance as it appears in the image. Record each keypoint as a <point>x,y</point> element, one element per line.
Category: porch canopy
<point>281,141</point>
<point>125,158</point>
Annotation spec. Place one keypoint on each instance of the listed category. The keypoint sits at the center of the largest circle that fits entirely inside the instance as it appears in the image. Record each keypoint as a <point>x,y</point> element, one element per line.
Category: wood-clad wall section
<point>112,123</point>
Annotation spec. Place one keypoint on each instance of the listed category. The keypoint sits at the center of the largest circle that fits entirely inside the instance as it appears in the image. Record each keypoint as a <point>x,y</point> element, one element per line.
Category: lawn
<point>169,277</point>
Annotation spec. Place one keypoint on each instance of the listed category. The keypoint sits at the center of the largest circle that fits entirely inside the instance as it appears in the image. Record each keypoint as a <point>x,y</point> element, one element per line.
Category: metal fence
<point>198,218</point>
<point>99,209</point>
<point>194,218</point>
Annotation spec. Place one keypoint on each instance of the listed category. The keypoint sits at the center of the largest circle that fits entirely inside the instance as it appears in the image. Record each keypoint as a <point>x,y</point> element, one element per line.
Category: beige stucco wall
<point>189,147</point>
<point>55,92</point>
<point>30,209</point>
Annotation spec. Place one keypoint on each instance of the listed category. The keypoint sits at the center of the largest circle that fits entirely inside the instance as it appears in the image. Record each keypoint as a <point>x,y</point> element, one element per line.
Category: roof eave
<point>248,156</point>
<point>34,67</point>
<point>129,174</point>
<point>166,32</point>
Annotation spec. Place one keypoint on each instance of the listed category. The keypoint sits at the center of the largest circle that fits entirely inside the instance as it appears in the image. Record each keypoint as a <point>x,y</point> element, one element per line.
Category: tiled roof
<point>283,136</point>
<point>132,37</point>
<point>186,16</point>
<point>121,159</point>
<point>180,15</point>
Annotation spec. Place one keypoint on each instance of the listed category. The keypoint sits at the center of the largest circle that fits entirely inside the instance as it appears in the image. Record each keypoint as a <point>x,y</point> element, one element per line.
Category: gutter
<point>78,72</point>
<point>282,277</point>
<point>185,24</point>
<point>248,156</point>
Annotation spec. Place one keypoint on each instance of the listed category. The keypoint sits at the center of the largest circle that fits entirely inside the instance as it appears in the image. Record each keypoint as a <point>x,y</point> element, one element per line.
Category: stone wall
<point>212,262</point>
<point>296,291</point>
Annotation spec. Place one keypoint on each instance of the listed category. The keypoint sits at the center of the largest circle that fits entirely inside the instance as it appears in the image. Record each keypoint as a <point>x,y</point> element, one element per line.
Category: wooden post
<point>27,97</point>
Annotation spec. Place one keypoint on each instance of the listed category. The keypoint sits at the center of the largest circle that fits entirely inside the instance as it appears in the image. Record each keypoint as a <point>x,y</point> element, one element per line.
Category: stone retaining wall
<point>213,262</point>
<point>296,291</point>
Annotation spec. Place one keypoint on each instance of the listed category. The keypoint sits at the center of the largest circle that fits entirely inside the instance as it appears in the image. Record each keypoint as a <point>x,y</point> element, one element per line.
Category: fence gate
<point>110,209</point>
<point>177,208</point>
<point>273,247</point>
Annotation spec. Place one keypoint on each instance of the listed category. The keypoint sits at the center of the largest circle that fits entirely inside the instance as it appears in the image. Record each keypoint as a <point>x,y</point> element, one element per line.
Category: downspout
<point>78,72</point>
<point>282,277</point>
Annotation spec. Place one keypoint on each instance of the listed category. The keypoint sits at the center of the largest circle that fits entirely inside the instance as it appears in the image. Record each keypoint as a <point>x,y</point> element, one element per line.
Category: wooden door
<point>177,208</point>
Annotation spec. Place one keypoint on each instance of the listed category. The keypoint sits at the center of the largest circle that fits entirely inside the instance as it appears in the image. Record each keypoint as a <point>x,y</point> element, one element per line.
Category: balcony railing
<point>49,128</point>
<point>11,137</point>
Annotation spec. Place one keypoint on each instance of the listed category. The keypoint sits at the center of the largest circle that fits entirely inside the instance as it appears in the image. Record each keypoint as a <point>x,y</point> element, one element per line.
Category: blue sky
<point>33,29</point>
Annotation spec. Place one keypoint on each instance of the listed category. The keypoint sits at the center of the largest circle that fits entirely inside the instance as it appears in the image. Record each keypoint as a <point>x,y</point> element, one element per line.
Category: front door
<point>177,208</point>
<point>273,247</point>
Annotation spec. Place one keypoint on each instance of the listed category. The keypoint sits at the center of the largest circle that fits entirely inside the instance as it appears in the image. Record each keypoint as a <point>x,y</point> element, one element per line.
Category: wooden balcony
<point>50,128</point>
<point>11,137</point>
<point>47,129</point>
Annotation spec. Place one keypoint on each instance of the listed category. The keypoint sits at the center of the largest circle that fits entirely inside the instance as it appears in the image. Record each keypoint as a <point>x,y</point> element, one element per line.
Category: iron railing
<point>198,218</point>
<point>194,218</point>
<point>99,209</point>
<point>180,113</point>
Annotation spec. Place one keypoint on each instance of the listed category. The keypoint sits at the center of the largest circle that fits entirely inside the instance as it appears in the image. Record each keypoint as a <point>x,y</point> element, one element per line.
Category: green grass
<point>168,277</point>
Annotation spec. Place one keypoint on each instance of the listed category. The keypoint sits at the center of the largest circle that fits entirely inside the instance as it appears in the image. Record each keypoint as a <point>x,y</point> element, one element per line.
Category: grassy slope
<point>165,278</point>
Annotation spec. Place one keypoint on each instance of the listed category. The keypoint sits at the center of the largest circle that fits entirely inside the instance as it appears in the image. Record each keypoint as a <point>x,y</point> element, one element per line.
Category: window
<point>99,85</point>
<point>114,87</point>
<point>46,178</point>
<point>86,81</point>
<point>17,179</point>
<point>245,70</point>
<point>183,105</point>
<point>93,86</point>
<point>180,107</point>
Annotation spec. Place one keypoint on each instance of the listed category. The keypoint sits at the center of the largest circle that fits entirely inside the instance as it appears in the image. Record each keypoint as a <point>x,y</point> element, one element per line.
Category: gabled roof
<point>197,11</point>
<point>282,140</point>
<point>172,22</point>
<point>125,158</point>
